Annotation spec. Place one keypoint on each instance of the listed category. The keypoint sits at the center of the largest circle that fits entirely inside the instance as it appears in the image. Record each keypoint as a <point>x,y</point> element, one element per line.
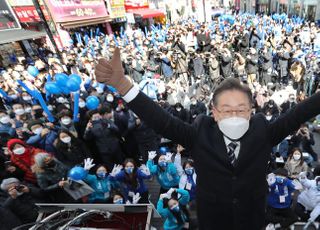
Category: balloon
<point>61,79</point>
<point>65,90</point>
<point>75,77</point>
<point>77,173</point>
<point>92,102</point>
<point>73,85</point>
<point>33,71</point>
<point>52,88</point>
<point>163,150</point>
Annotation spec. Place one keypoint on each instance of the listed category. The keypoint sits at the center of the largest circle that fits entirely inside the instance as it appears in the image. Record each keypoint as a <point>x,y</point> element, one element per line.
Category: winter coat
<point>24,161</point>
<point>140,176</point>
<point>72,154</point>
<point>105,135</point>
<point>310,196</point>
<point>276,190</point>
<point>44,142</point>
<point>101,187</point>
<point>24,206</point>
<point>171,221</point>
<point>168,177</point>
<point>294,167</point>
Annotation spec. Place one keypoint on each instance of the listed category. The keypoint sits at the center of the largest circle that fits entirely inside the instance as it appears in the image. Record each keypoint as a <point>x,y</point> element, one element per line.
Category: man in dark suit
<point>231,150</point>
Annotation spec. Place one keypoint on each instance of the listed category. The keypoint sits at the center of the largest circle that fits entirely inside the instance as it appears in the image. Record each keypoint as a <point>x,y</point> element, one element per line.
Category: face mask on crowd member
<point>4,118</point>
<point>62,100</point>
<point>297,155</point>
<point>188,168</point>
<point>232,109</point>
<point>162,162</point>
<point>101,172</point>
<point>18,149</point>
<point>18,109</point>
<point>82,104</point>
<point>65,120</point>
<point>173,205</point>
<point>36,129</point>
<point>109,97</point>
<point>129,167</point>
<point>65,138</point>
<point>292,98</point>
<point>117,199</point>
<point>26,97</point>
<point>13,96</point>
<point>96,117</point>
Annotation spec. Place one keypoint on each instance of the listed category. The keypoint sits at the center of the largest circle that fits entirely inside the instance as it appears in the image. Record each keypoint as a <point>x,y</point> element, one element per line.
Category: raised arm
<point>291,121</point>
<point>112,73</point>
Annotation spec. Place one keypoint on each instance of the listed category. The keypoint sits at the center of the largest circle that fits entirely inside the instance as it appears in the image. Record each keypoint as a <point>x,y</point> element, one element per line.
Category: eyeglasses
<point>242,112</point>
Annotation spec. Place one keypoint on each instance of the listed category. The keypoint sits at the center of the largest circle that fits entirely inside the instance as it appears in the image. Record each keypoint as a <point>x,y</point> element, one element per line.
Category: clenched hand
<point>111,73</point>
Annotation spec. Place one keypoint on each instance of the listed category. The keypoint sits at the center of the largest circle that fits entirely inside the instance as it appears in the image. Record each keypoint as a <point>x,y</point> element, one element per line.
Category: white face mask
<point>99,90</point>
<point>60,100</point>
<point>19,111</point>
<point>234,127</point>
<point>178,109</point>
<point>26,98</point>
<point>13,96</point>
<point>19,151</point>
<point>269,117</point>
<point>82,104</point>
<point>66,121</point>
<point>5,119</point>
<point>50,107</point>
<point>296,157</point>
<point>66,140</point>
<point>28,110</point>
<point>110,98</point>
<point>37,131</point>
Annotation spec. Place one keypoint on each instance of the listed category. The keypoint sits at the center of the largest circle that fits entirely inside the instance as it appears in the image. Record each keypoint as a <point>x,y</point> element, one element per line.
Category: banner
<point>74,10</point>
<point>7,17</point>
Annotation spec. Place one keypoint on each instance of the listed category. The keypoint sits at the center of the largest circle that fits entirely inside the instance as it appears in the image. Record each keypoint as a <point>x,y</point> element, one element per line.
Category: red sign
<point>29,13</point>
<point>136,4</point>
<point>73,10</point>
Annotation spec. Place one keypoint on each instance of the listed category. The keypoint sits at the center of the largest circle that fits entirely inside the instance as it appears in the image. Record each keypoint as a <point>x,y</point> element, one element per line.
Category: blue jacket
<point>7,129</point>
<point>280,194</point>
<point>46,142</point>
<point>101,187</point>
<point>171,222</point>
<point>166,67</point>
<point>168,178</point>
<point>141,188</point>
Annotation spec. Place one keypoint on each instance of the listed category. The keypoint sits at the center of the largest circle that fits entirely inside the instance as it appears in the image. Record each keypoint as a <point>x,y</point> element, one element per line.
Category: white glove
<point>163,196</point>
<point>171,190</point>
<point>88,164</point>
<point>297,185</point>
<point>116,169</point>
<point>169,156</point>
<point>136,197</point>
<point>152,155</point>
<point>271,178</point>
<point>128,202</point>
<point>145,169</point>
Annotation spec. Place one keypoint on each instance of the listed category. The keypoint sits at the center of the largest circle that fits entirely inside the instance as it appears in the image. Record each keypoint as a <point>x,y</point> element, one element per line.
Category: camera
<point>19,188</point>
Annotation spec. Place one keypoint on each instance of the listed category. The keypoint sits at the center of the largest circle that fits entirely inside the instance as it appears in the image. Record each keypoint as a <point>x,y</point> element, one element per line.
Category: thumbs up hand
<point>112,73</point>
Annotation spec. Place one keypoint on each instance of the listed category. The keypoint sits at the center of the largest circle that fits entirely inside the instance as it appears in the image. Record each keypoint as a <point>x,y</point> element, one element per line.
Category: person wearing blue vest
<point>166,172</point>
<point>279,212</point>
<point>99,182</point>
<point>172,209</point>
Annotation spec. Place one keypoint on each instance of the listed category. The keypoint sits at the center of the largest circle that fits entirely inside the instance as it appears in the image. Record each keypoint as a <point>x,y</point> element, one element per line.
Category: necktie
<point>232,147</point>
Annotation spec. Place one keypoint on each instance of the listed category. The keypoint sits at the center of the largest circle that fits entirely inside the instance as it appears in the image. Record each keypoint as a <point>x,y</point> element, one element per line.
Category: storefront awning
<point>86,22</point>
<point>147,13</point>
<point>19,35</point>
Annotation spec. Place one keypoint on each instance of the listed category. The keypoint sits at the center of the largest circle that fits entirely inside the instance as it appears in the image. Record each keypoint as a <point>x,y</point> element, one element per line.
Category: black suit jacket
<point>228,197</point>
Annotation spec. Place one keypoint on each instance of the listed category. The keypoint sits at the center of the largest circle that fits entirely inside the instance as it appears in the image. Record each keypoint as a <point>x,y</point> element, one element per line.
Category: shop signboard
<point>117,9</point>
<point>7,18</point>
<point>136,4</point>
<point>74,10</point>
<point>27,14</point>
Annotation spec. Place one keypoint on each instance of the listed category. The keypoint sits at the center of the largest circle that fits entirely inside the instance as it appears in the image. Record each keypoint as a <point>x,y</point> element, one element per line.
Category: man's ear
<point>215,114</point>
